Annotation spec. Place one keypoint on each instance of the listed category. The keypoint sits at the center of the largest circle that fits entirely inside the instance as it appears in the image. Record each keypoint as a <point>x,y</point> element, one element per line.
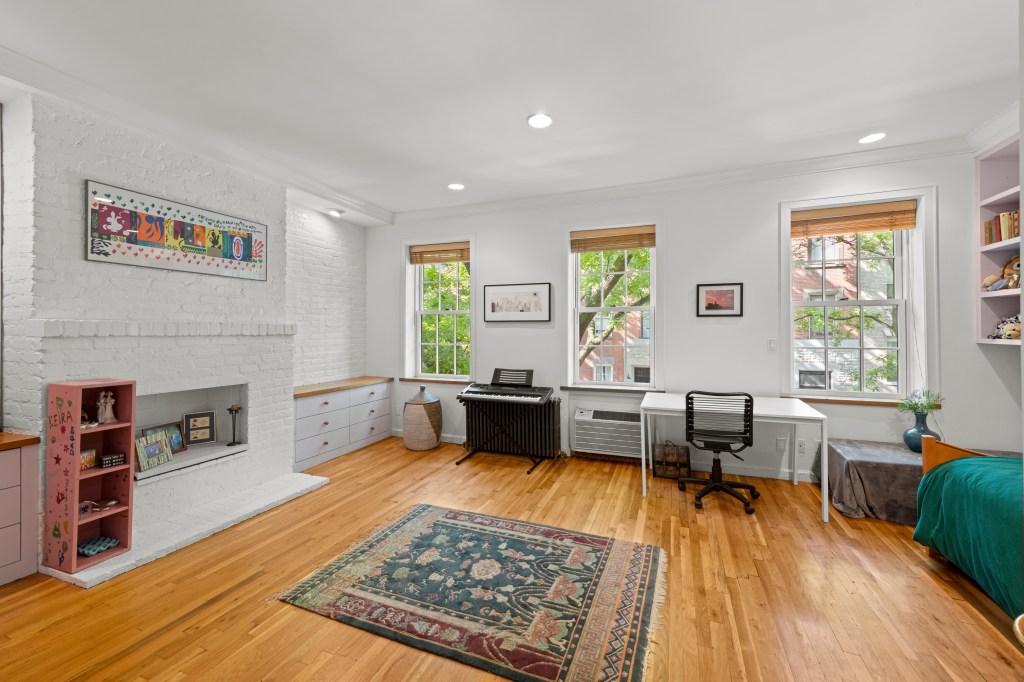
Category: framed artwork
<point>172,432</point>
<point>152,451</point>
<point>87,459</point>
<point>720,300</point>
<point>200,427</point>
<point>132,228</point>
<point>517,302</point>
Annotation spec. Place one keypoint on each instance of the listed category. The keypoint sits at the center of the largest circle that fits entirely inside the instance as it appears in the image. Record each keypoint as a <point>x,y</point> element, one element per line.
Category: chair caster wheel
<point>698,504</point>
<point>754,494</point>
<point>749,509</point>
<point>682,486</point>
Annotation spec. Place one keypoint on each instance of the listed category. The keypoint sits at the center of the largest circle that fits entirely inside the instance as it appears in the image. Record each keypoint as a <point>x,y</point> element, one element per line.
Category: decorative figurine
<point>105,408</point>
<point>86,422</point>
<point>234,410</point>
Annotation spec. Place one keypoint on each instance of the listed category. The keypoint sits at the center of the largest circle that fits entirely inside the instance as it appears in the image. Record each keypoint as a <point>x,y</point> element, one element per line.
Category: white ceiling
<point>389,101</point>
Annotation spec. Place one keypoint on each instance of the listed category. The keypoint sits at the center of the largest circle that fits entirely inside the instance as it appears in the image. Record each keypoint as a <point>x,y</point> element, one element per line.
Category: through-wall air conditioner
<point>606,432</point>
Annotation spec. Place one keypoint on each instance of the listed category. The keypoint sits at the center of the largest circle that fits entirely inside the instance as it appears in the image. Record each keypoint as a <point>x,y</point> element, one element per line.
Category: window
<point>848,307</point>
<point>614,305</point>
<point>443,309</point>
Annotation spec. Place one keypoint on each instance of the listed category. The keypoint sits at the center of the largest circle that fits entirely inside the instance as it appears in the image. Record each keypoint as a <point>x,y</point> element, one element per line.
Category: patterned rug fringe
<point>653,628</point>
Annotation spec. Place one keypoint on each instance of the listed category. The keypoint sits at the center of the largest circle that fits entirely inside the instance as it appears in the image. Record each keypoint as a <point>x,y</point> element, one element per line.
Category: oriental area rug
<point>517,599</point>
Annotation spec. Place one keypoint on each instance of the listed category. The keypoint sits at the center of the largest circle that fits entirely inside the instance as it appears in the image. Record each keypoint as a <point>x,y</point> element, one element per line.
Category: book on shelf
<point>1004,226</point>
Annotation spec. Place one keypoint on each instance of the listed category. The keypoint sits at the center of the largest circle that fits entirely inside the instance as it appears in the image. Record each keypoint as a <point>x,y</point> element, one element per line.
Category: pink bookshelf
<point>67,485</point>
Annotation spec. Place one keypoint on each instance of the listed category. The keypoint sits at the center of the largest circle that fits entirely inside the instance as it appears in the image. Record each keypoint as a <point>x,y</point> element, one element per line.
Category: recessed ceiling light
<point>873,137</point>
<point>336,212</point>
<point>539,120</point>
<point>456,187</point>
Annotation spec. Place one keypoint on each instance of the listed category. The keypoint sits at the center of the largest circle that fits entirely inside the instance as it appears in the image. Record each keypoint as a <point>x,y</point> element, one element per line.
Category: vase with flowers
<point>921,403</point>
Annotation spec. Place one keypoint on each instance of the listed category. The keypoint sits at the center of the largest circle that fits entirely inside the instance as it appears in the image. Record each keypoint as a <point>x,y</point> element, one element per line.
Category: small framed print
<point>200,427</point>
<point>87,459</point>
<point>517,302</point>
<point>720,300</point>
<point>172,431</point>
<point>151,451</point>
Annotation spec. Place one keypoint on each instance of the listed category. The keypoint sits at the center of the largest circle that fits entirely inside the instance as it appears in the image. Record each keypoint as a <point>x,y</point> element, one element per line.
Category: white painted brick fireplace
<point>66,318</point>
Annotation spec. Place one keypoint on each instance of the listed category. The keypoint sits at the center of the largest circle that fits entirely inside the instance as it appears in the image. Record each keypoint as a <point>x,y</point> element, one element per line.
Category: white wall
<point>724,232</point>
<point>326,294</point>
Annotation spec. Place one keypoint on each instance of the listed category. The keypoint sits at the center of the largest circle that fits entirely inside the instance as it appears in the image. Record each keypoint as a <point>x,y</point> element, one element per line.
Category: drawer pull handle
<point>326,403</point>
<point>372,428</point>
<point>326,443</point>
<point>327,423</point>
<point>372,411</point>
<point>373,392</point>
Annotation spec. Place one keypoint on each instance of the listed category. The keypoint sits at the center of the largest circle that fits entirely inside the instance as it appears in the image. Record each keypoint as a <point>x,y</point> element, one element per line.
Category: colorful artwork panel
<point>130,228</point>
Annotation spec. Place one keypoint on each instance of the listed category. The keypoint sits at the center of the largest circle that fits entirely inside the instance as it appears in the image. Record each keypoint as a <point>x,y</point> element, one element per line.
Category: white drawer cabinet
<point>319,424</point>
<point>367,411</point>
<point>19,515</point>
<point>334,419</point>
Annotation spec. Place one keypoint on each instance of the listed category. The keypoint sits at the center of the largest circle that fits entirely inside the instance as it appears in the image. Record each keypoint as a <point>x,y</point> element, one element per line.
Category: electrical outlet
<point>780,444</point>
<point>801,446</point>
<point>772,345</point>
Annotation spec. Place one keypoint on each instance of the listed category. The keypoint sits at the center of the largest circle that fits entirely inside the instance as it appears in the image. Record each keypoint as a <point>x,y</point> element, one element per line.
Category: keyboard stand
<point>500,428</point>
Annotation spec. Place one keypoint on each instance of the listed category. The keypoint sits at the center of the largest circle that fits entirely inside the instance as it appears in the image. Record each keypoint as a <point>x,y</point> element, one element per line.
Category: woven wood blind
<point>827,222</point>
<point>612,239</point>
<point>452,252</point>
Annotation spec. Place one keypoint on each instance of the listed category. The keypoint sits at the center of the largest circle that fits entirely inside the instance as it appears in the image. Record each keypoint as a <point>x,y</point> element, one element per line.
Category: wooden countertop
<point>9,440</point>
<point>342,385</point>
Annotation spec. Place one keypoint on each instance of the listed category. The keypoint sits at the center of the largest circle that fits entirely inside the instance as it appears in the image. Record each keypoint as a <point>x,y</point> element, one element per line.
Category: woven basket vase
<point>421,421</point>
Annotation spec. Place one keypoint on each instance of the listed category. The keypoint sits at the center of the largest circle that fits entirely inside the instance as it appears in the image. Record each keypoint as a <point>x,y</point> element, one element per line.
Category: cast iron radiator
<point>530,430</point>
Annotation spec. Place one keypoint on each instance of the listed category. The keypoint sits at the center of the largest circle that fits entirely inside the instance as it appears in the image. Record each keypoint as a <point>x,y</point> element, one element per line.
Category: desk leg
<point>824,471</point>
<point>792,452</point>
<point>643,451</point>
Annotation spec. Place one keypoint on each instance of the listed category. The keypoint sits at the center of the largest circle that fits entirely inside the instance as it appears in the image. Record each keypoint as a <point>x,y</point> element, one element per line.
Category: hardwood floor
<point>773,596</point>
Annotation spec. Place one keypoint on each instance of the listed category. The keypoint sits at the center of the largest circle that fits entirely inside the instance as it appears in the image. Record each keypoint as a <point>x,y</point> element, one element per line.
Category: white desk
<point>789,411</point>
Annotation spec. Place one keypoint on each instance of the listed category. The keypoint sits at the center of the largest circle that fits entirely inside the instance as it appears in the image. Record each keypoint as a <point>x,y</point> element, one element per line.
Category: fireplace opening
<point>210,419</point>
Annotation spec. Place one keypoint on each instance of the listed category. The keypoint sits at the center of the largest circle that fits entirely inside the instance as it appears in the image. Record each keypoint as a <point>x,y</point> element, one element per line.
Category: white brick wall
<point>326,294</point>
<point>67,318</point>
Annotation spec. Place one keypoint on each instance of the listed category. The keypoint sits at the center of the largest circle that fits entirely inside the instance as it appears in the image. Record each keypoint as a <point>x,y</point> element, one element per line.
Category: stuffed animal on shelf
<point>1008,277</point>
<point>1008,328</point>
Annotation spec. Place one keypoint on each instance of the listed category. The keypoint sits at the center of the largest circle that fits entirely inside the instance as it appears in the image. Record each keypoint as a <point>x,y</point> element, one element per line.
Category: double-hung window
<point>613,314</point>
<point>443,310</point>
<point>848,301</point>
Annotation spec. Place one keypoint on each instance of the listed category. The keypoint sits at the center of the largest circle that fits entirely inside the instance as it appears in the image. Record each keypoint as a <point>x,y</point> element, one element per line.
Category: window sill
<point>866,402</point>
<point>610,389</point>
<point>425,380</point>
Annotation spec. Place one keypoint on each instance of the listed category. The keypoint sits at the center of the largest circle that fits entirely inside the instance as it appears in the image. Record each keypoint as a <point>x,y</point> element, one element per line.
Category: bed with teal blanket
<point>971,511</point>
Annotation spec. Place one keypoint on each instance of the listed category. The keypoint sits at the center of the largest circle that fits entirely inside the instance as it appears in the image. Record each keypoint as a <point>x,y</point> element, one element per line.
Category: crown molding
<point>860,159</point>
<point>997,129</point>
<point>34,77</point>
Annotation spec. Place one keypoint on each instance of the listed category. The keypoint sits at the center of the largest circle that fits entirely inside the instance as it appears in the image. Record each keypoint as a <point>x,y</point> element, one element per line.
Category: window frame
<point>422,312</point>
<point>573,327</point>
<point>917,317</point>
<point>413,293</point>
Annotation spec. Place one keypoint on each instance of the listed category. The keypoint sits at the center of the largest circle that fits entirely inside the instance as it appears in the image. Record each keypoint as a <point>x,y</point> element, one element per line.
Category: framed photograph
<point>132,228</point>
<point>720,300</point>
<point>172,432</point>
<point>200,427</point>
<point>152,451</point>
<point>517,302</point>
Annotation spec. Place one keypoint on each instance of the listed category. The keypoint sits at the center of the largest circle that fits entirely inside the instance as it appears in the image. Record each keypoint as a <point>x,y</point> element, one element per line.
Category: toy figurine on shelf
<point>86,422</point>
<point>105,408</point>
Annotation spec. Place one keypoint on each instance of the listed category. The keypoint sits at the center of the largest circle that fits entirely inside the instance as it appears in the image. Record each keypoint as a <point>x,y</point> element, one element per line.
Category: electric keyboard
<point>535,395</point>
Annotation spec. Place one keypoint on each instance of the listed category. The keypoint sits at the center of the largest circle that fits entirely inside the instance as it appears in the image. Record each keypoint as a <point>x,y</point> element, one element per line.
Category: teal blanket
<point>971,511</point>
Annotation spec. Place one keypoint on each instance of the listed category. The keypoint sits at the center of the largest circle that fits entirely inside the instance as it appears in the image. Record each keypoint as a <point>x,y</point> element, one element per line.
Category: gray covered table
<point>869,478</point>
